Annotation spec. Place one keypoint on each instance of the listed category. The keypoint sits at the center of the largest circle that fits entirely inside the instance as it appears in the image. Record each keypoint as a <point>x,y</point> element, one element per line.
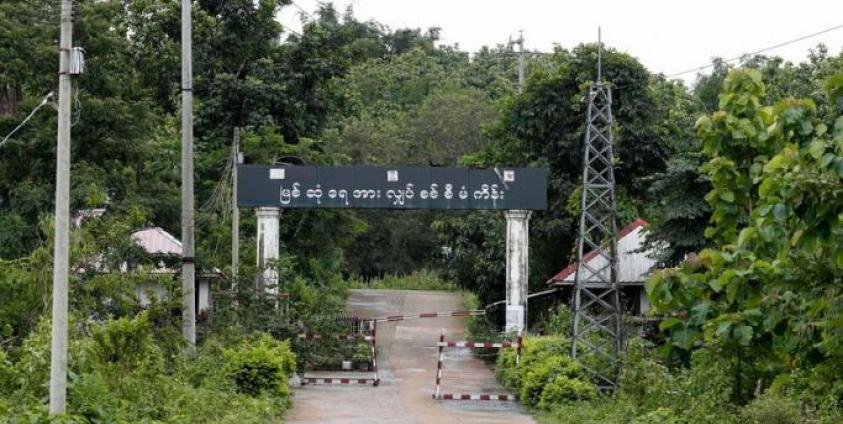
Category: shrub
<point>560,322</point>
<point>418,280</point>
<point>601,410</point>
<point>8,375</point>
<point>261,367</point>
<point>546,375</point>
<point>771,408</point>
<point>126,344</point>
<point>542,374</point>
<point>662,415</point>
<point>564,389</point>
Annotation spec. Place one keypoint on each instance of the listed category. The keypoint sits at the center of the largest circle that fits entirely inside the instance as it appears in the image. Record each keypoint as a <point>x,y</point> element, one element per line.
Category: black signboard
<point>403,187</point>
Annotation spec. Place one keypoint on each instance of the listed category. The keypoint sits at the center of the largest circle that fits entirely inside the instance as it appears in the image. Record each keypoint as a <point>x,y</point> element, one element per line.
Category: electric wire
<point>31,114</point>
<point>303,10</point>
<point>759,51</point>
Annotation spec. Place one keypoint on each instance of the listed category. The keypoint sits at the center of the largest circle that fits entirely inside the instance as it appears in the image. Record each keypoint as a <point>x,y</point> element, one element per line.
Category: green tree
<point>769,291</point>
<point>545,126</point>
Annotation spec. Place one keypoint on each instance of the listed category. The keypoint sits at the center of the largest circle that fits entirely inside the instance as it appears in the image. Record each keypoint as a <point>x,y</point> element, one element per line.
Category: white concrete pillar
<point>517,269</point>
<point>269,223</point>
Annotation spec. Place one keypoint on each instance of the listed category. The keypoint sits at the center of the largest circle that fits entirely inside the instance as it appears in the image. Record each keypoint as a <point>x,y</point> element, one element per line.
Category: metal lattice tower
<point>597,339</point>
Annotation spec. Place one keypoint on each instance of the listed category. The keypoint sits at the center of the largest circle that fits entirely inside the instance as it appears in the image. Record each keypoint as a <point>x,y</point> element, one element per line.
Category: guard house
<point>161,244</point>
<point>165,250</point>
<point>634,265</point>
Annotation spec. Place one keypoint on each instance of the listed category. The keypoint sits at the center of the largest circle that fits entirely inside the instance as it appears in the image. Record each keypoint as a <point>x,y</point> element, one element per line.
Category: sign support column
<point>269,223</point>
<point>517,269</point>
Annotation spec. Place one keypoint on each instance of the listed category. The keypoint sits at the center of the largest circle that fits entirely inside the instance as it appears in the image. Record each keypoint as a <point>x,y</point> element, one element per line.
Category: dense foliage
<point>740,178</point>
<point>546,376</point>
<point>768,292</point>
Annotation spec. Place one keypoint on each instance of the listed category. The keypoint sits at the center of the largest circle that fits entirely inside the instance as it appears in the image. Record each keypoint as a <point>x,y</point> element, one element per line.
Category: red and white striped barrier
<point>465,396</point>
<point>488,345</point>
<point>443,314</point>
<point>337,337</point>
<point>442,344</point>
<point>339,380</point>
<point>372,339</point>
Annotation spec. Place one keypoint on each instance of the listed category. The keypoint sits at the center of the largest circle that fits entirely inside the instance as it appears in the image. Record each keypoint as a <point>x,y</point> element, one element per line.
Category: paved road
<point>407,362</point>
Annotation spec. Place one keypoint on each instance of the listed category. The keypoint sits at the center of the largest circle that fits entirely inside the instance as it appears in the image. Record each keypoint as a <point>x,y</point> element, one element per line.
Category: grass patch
<point>418,280</point>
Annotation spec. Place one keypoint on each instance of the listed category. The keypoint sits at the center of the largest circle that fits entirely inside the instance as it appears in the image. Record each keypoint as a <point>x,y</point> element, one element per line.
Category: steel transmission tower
<point>597,338</point>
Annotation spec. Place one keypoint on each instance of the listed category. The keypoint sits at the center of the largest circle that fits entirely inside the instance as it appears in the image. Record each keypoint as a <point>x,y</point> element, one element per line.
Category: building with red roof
<point>635,261</point>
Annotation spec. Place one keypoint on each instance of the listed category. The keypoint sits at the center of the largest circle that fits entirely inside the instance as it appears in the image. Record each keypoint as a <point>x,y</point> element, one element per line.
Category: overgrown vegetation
<point>119,373</point>
<point>750,195</point>
<point>418,280</point>
<point>546,376</point>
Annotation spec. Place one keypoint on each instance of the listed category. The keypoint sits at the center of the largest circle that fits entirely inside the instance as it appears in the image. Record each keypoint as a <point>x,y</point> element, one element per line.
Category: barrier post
<point>375,352</point>
<point>438,393</point>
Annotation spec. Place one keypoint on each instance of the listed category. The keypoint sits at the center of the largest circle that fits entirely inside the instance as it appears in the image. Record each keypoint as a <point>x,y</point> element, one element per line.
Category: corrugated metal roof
<point>633,265</point>
<point>157,241</point>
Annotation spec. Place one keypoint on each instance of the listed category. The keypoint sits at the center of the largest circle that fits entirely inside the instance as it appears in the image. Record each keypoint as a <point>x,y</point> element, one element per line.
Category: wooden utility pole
<point>235,211</point>
<point>187,213</point>
<point>61,254</point>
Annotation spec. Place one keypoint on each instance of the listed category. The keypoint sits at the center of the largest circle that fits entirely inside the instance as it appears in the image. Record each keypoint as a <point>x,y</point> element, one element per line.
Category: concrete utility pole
<point>61,254</point>
<point>520,42</point>
<point>235,211</point>
<point>188,268</point>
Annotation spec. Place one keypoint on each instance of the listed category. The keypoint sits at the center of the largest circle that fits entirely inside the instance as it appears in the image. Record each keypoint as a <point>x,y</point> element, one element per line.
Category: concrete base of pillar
<point>515,319</point>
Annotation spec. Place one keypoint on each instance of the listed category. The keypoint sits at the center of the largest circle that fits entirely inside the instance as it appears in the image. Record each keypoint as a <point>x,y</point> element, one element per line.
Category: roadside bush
<point>565,389</point>
<point>262,367</point>
<point>702,391</point>
<point>481,328</point>
<point>662,415</point>
<point>117,374</point>
<point>541,375</point>
<point>546,376</point>
<point>560,322</point>
<point>126,345</point>
<point>418,280</point>
<point>601,410</point>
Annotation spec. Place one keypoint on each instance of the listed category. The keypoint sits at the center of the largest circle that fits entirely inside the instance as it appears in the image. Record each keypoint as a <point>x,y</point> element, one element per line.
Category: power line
<point>764,50</point>
<point>31,114</point>
<point>303,10</point>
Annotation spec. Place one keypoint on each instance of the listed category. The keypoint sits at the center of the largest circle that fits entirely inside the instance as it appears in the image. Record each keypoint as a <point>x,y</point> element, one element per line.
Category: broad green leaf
<point>780,212</point>
<point>746,235</point>
<point>828,158</point>
<point>767,186</point>
<point>821,129</point>
<point>794,240</point>
<point>723,280</point>
<point>816,149</point>
<point>743,333</point>
<point>723,328</point>
<point>669,322</point>
<point>684,337</point>
<point>838,128</point>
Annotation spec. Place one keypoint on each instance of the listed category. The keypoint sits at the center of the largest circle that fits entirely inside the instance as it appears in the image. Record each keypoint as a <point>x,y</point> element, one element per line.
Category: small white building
<point>634,266</point>
<point>159,243</point>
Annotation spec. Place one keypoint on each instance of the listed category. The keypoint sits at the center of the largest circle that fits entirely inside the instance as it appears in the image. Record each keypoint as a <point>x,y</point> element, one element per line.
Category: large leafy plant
<point>771,290</point>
